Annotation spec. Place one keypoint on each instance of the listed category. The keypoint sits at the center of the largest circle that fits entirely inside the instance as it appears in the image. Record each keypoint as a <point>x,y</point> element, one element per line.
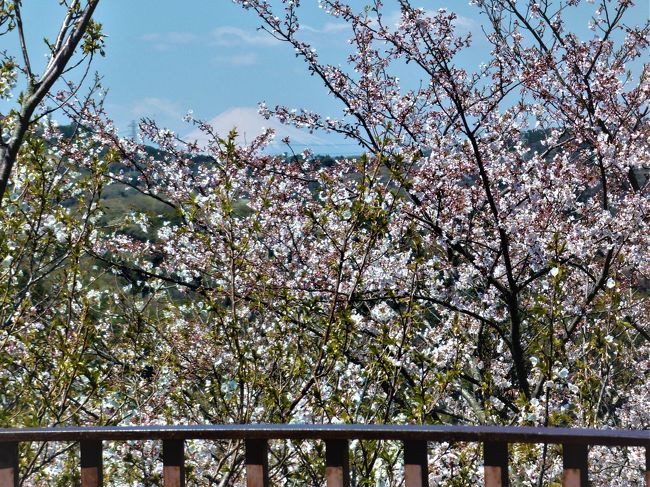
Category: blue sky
<point>164,58</point>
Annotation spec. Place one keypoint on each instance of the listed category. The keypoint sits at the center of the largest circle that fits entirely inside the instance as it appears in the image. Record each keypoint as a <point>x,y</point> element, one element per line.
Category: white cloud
<point>181,37</point>
<point>156,108</point>
<point>234,36</point>
<point>332,27</point>
<point>392,19</point>
<point>164,41</point>
<point>151,37</point>
<point>250,124</point>
<point>327,28</point>
<point>224,36</point>
<point>463,24</point>
<point>244,59</point>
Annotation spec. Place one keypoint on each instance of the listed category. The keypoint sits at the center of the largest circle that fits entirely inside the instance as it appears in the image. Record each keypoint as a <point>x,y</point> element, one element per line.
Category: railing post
<point>173,463</point>
<point>416,464</point>
<point>8,464</point>
<point>574,459</point>
<point>337,463</point>
<point>647,466</point>
<point>91,464</point>
<point>495,458</point>
<point>257,463</point>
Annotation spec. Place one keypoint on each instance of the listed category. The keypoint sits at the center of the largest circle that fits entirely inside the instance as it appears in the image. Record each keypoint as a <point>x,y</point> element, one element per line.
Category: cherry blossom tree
<point>504,219</point>
<point>485,261</point>
<point>77,30</point>
<point>50,373</point>
<point>70,330</point>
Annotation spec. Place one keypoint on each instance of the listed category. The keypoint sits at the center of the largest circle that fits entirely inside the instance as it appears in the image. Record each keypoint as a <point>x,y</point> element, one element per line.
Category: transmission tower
<point>134,131</point>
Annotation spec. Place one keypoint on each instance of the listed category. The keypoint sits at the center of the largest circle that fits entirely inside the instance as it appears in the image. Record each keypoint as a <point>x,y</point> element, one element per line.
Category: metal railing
<point>495,439</point>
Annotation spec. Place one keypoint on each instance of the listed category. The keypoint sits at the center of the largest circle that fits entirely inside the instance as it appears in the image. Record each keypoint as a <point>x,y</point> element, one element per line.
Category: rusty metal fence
<point>495,440</point>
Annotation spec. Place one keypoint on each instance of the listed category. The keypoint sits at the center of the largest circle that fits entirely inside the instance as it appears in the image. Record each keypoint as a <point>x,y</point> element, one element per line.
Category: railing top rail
<point>508,434</point>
